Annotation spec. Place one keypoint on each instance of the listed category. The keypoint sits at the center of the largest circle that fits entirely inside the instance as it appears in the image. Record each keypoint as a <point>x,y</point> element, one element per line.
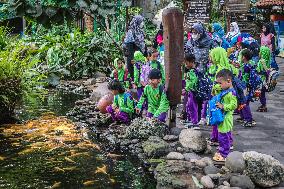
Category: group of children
<point>235,81</point>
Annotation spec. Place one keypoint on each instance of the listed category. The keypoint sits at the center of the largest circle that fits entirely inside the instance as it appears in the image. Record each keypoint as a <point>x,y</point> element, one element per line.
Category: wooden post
<point>174,55</point>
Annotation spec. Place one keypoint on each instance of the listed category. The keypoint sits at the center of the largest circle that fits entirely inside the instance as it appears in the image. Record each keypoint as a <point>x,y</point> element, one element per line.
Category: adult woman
<point>199,44</point>
<point>219,36</point>
<point>267,39</point>
<point>134,41</point>
<point>233,33</point>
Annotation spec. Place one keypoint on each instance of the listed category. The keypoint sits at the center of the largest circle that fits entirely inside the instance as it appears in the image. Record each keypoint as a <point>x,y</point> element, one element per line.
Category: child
<point>158,103</point>
<point>121,73</point>
<point>262,68</point>
<point>247,66</point>
<point>155,64</point>
<point>122,108</point>
<point>228,104</point>
<point>139,61</point>
<point>191,83</point>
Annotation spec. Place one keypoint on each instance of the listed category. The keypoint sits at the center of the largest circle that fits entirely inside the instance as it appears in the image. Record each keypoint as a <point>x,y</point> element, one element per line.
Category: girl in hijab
<point>199,44</point>
<point>268,39</point>
<point>262,69</point>
<point>134,41</point>
<point>234,31</point>
<point>159,37</point>
<point>219,36</point>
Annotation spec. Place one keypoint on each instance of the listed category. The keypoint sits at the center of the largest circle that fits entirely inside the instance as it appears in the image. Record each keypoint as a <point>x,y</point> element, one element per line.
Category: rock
<point>176,131</point>
<point>90,81</point>
<point>208,150</point>
<point>191,156</point>
<point>180,149</point>
<point>202,163</point>
<point>207,182</point>
<point>99,74</point>
<point>235,162</point>
<point>170,138</point>
<point>242,181</point>
<point>100,91</point>
<point>223,187</point>
<point>134,141</point>
<point>175,156</point>
<point>225,183</point>
<point>214,176</point>
<point>155,147</point>
<point>263,170</point>
<point>211,169</point>
<point>193,139</point>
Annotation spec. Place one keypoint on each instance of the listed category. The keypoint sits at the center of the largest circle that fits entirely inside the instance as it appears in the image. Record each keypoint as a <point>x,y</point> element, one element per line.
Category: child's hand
<point>241,106</point>
<point>219,105</point>
<point>116,110</point>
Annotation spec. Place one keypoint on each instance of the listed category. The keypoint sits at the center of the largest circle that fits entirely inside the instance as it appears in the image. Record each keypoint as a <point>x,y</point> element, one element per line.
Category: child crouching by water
<point>154,94</point>
<point>122,108</point>
<point>228,104</point>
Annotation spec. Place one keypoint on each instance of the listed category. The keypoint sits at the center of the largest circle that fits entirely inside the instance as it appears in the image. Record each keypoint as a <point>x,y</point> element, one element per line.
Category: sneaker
<point>240,120</point>
<point>253,122</point>
<point>202,121</point>
<point>184,122</point>
<point>248,124</point>
<point>232,148</point>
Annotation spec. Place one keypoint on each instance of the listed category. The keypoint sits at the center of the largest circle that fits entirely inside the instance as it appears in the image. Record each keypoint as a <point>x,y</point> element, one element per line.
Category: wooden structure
<point>239,11</point>
<point>173,20</point>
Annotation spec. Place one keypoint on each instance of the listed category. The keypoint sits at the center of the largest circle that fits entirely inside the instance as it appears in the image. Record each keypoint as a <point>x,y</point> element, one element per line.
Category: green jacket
<point>157,103</point>
<point>230,104</point>
<point>121,75</point>
<point>124,104</point>
<point>191,80</point>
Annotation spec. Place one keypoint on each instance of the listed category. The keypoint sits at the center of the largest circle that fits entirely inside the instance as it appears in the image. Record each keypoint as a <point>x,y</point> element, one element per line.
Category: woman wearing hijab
<point>234,31</point>
<point>219,36</point>
<point>199,44</point>
<point>159,37</point>
<point>268,39</point>
<point>134,41</point>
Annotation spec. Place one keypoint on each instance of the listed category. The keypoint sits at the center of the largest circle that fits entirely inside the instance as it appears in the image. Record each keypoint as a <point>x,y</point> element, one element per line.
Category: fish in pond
<point>56,185</point>
<point>101,170</point>
<point>89,183</point>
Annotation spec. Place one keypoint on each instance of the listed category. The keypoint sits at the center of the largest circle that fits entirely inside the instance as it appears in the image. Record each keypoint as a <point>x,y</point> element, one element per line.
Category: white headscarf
<point>235,32</point>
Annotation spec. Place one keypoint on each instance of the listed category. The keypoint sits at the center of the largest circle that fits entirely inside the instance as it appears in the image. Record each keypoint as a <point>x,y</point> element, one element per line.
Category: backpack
<point>272,80</point>
<point>125,96</point>
<point>145,70</point>
<point>161,90</point>
<point>115,75</point>
<point>239,87</point>
<point>215,115</point>
<point>255,83</point>
<point>204,87</point>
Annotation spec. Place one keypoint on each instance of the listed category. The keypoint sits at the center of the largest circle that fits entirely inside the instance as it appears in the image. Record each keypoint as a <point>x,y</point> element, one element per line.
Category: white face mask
<point>195,36</point>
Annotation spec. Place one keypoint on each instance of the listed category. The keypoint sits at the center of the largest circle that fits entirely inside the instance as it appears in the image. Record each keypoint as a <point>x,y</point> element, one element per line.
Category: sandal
<point>248,124</point>
<point>240,120</point>
<point>217,157</point>
<point>261,109</point>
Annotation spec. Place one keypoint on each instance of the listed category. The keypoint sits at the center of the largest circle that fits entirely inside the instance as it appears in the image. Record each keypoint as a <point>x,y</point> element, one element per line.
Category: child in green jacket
<point>122,108</point>
<point>158,104</point>
<point>121,73</point>
<point>228,104</point>
<point>155,64</point>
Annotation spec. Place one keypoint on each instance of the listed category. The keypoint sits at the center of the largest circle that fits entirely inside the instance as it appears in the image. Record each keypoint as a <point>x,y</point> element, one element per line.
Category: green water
<point>52,168</point>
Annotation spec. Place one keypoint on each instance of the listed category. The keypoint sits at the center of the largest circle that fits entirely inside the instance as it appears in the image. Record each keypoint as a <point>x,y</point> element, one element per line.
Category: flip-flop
<point>218,158</point>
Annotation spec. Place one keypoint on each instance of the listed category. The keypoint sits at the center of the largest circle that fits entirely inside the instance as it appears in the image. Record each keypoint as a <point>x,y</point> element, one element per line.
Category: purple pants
<point>224,143</point>
<point>185,99</point>
<point>204,109</point>
<point>215,135</point>
<point>245,113</point>
<point>192,108</point>
<point>161,118</point>
<point>262,97</point>
<point>120,116</point>
<point>139,92</point>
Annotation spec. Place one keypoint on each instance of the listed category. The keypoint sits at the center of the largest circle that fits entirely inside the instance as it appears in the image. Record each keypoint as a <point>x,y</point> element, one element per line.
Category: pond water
<point>49,151</point>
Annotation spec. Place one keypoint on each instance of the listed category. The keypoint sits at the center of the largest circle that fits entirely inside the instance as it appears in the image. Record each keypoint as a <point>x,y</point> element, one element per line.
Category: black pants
<point>131,47</point>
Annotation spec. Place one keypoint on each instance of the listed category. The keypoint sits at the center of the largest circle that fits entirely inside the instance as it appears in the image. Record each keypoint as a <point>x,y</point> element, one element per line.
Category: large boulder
<point>241,181</point>
<point>264,170</point>
<point>142,128</point>
<point>193,139</point>
<point>155,147</point>
<point>235,162</point>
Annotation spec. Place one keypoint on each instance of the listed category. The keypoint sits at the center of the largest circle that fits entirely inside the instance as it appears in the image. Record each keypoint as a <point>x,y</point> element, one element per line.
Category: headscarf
<point>218,30</point>
<point>135,34</point>
<point>265,55</point>
<point>220,58</point>
<point>139,57</point>
<point>204,41</point>
<point>235,32</point>
<point>268,28</point>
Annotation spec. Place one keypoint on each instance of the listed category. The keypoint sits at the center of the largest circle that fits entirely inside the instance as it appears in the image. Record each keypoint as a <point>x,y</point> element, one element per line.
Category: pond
<point>47,150</point>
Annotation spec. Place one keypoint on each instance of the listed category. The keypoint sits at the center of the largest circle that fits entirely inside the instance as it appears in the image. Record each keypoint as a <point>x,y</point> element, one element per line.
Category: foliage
<point>58,11</point>
<point>19,76</point>
<point>4,39</point>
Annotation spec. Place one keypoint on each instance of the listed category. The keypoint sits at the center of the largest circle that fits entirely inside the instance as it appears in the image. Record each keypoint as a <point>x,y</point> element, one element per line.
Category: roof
<point>269,3</point>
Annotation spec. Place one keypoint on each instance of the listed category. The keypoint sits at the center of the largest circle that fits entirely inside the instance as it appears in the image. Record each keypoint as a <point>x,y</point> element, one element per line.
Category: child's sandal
<point>261,109</point>
<point>211,143</point>
<point>218,158</point>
